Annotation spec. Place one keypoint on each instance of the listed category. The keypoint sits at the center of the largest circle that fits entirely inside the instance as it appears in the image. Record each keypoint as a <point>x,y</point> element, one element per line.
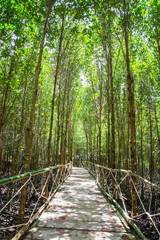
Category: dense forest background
<point>80,80</point>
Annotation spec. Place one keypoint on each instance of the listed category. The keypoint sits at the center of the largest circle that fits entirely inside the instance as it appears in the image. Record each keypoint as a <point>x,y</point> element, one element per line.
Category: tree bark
<point>67,124</point>
<point>5,97</point>
<point>151,162</point>
<point>158,135</point>
<point>69,140</point>
<point>62,124</point>
<point>100,123</point>
<point>130,84</point>
<point>58,127</point>
<point>36,163</point>
<point>142,164</point>
<point>94,143</point>
<point>112,104</point>
<point>53,104</point>
<point>29,130</point>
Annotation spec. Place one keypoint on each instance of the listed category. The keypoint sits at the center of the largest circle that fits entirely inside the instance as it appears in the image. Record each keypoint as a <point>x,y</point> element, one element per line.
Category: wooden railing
<point>116,184</point>
<point>36,201</point>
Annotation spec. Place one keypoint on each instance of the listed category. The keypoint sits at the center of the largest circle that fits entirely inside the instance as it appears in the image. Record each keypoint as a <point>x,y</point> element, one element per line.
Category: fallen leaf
<point>63,217</point>
<point>126,237</point>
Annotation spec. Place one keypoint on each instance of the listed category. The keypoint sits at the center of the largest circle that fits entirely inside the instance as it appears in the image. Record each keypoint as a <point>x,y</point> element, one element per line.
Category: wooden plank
<point>64,234</point>
<point>79,211</point>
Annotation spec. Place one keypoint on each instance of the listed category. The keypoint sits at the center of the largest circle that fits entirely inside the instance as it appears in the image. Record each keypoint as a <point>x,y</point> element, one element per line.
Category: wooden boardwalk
<point>79,211</point>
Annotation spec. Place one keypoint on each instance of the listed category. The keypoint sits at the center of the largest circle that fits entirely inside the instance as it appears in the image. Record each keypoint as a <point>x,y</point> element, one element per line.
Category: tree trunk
<point>94,143</point>
<point>100,124</point>
<point>3,108</point>
<point>69,140</point>
<point>158,43</point>
<point>151,162</point>
<point>58,127</point>
<point>29,130</point>
<point>5,97</point>
<point>67,126</point>
<point>87,149</point>
<point>112,105</point>
<point>53,104</point>
<point>62,124</point>
<point>130,84</point>
<point>142,164</point>
<point>119,130</point>
<point>36,163</point>
<point>108,153</point>
<point>158,136</point>
<point>14,165</point>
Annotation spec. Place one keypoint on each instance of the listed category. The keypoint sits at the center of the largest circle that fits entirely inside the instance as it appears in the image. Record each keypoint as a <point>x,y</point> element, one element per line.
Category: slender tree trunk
<point>71,159</point>
<point>54,92</point>
<point>123,129</point>
<point>128,143</point>
<point>123,144</point>
<point>139,134</point>
<point>119,130</point>
<point>127,162</point>
<point>158,43</point>
<point>1,159</point>
<point>44,144</point>
<point>108,114</point>
<point>14,165</point>
<point>108,152</point>
<point>3,109</point>
<point>58,128</point>
<point>69,140</point>
<point>97,148</point>
<point>87,149</point>
<point>100,123</point>
<point>109,136</point>
<point>15,162</point>
<point>151,163</point>
<point>158,136</point>
<point>5,98</point>
<point>130,84</point>
<point>70,126</point>
<point>66,128</point>
<point>90,139</point>
<point>113,160</point>
<point>62,123</point>
<point>112,105</point>
<point>142,164</point>
<point>94,143</point>
<point>36,164</point>
<point>53,104</point>
<point>29,130</point>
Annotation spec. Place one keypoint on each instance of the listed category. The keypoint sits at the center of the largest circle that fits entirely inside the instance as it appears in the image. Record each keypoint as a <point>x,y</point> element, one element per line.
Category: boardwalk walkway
<point>79,211</point>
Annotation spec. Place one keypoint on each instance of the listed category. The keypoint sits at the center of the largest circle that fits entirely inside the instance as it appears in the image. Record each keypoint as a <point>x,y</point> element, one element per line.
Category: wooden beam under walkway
<point>79,211</point>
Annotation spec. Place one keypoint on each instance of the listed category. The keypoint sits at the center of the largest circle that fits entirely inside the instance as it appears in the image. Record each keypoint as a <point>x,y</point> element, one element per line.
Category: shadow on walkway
<point>79,211</point>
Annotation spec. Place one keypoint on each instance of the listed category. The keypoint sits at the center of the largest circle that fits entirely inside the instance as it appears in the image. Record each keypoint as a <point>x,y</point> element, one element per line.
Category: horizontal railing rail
<point>36,201</point>
<point>28,174</point>
<point>116,184</point>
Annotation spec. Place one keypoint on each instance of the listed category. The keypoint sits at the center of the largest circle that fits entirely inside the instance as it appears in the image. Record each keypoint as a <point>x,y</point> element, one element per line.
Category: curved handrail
<point>57,175</point>
<point>116,187</point>
<point>28,174</point>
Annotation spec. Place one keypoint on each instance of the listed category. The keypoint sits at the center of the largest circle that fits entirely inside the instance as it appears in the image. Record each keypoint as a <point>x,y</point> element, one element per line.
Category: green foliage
<point>88,28</point>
